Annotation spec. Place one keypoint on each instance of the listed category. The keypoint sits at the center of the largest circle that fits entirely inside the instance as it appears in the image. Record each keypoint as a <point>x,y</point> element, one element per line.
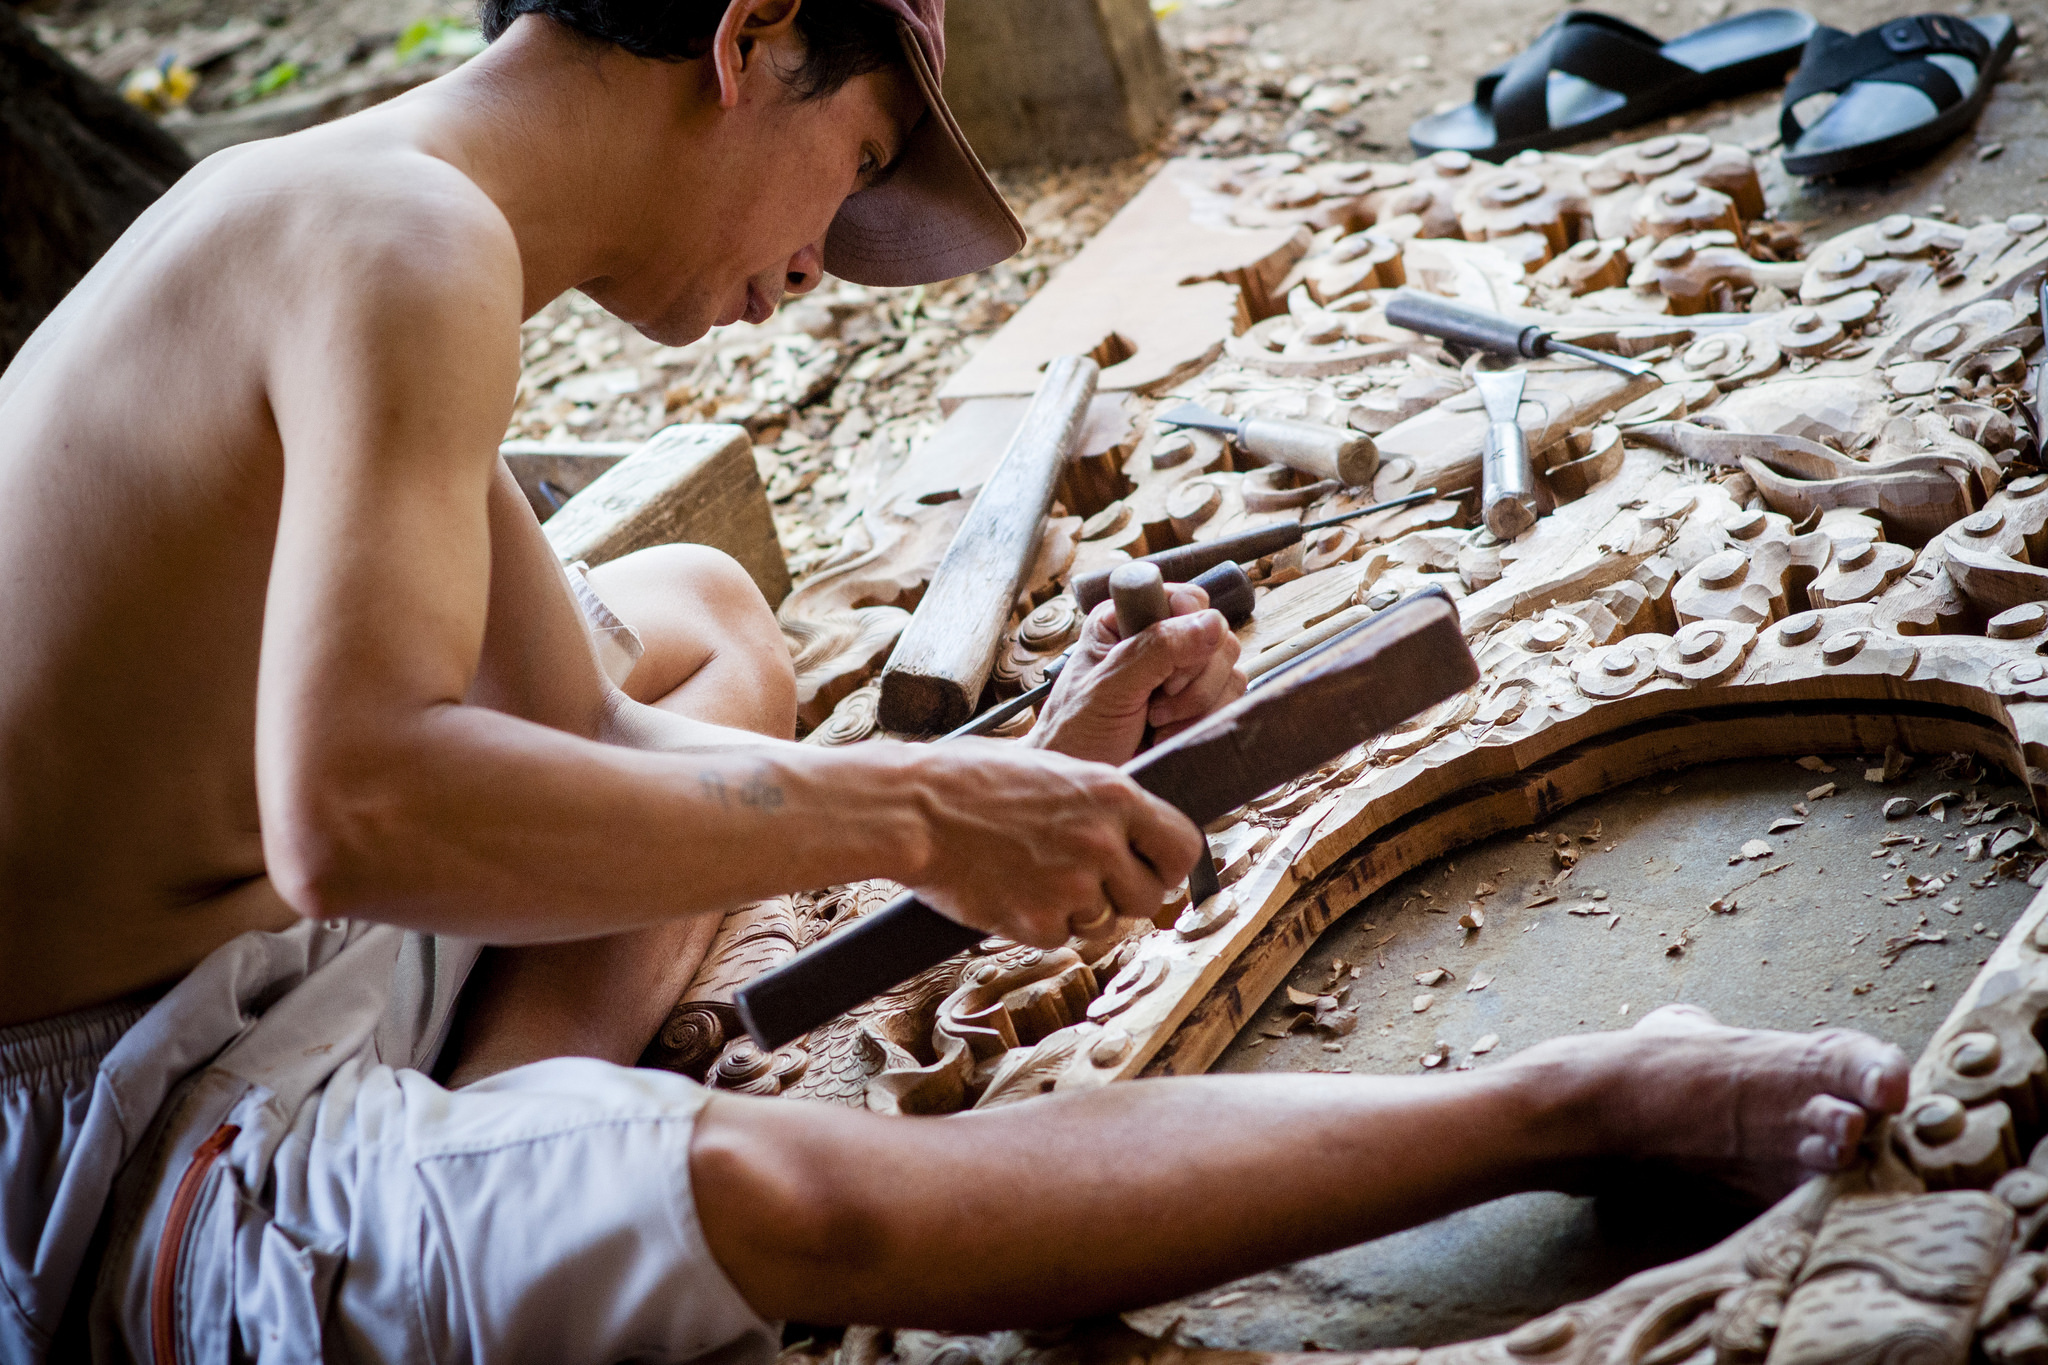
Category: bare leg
<point>1070,1206</point>
<point>714,653</point>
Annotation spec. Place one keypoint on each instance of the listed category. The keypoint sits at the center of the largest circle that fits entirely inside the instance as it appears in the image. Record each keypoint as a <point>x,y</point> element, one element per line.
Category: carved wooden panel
<point>1819,525</point>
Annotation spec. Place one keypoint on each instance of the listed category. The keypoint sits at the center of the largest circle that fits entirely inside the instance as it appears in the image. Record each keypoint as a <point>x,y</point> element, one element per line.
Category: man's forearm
<point>482,824</point>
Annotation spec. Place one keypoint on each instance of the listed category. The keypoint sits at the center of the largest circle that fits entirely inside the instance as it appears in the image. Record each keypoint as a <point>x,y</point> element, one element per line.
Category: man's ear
<point>746,24</point>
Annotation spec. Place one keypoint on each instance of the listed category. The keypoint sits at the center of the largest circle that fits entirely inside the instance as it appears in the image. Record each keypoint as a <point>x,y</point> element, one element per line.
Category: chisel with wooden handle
<point>1182,563</point>
<point>1230,592</point>
<point>1467,326</point>
<point>1401,662</point>
<point>1326,452</point>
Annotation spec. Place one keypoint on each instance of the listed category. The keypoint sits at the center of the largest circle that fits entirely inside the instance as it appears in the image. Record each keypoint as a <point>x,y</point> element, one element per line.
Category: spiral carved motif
<point>853,720</point>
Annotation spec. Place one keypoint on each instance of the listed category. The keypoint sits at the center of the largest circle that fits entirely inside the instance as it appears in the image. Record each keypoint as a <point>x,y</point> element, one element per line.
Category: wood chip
<point>1545,899</point>
<point>1484,889</point>
<point>1481,980</point>
<point>1813,763</point>
<point>1435,1056</point>
<point>1422,1003</point>
<point>1486,1044</point>
<point>1820,793</point>
<point>1799,809</point>
<point>1779,826</point>
<point>1434,976</point>
<point>1898,808</point>
<point>1475,918</point>
<point>1304,999</point>
<point>1756,848</point>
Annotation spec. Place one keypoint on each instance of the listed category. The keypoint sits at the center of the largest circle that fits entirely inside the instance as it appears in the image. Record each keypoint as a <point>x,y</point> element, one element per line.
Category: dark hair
<point>842,38</point>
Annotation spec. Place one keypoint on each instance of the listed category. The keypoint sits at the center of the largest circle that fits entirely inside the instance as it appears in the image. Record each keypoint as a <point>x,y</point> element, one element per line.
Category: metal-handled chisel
<point>1468,326</point>
<point>1507,501</point>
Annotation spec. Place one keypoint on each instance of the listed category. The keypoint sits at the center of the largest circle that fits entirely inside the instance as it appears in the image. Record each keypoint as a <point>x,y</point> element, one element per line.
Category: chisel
<point>1183,563</point>
<point>1507,502</point>
<point>1467,326</point>
<point>1230,592</point>
<point>1326,452</point>
<point>1139,591</point>
<point>1401,662</point>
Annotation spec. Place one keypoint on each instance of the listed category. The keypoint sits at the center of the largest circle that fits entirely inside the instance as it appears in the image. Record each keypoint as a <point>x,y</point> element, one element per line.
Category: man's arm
<point>386,793</point>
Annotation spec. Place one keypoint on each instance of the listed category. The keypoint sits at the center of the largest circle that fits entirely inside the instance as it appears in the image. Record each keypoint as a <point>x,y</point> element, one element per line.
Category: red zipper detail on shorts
<point>163,1276</point>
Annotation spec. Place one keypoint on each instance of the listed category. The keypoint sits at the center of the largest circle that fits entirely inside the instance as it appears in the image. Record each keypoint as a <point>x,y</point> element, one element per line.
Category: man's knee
<point>694,608</point>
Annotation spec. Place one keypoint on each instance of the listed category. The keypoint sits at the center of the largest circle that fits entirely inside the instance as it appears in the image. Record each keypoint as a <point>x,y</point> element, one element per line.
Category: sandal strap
<point>1609,52</point>
<point>1896,51</point>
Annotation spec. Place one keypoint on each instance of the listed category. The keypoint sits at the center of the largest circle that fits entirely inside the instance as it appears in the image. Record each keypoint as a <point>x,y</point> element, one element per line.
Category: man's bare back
<point>254,454</point>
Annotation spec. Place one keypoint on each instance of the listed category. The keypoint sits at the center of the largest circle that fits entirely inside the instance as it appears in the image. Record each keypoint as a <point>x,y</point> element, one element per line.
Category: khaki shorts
<point>276,1176</point>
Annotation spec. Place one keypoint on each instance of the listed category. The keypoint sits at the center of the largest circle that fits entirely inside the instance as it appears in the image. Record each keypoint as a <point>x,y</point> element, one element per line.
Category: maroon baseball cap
<point>936,214</point>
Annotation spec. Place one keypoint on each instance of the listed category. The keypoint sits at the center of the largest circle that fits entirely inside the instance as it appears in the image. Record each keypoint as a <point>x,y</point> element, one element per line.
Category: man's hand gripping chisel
<point>1467,326</point>
<point>1392,666</point>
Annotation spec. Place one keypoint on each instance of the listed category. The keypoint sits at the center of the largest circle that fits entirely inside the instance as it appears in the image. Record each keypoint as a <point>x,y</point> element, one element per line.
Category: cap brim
<point>937,215</point>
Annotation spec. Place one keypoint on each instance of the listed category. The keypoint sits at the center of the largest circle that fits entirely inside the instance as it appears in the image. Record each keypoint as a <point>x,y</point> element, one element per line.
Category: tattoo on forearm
<point>756,791</point>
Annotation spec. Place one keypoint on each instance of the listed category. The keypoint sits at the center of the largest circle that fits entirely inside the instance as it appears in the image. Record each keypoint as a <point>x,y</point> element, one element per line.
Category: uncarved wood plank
<point>689,483</point>
<point>1152,297</point>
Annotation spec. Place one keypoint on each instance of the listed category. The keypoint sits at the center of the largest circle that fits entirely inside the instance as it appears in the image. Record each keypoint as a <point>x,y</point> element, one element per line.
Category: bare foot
<point>1762,1111</point>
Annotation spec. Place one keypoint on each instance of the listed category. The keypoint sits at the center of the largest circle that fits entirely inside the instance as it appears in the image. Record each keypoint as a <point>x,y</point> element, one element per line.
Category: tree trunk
<point>78,165</point>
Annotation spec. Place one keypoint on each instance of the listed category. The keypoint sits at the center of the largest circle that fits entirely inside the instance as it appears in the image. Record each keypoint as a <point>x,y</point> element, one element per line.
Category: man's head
<point>841,38</point>
<point>807,135</point>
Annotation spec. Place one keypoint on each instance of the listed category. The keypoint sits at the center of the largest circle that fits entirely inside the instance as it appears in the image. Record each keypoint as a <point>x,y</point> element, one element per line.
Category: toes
<point>1861,1069</point>
<point>1836,1122</point>
<point>1816,1153</point>
<point>1676,1018</point>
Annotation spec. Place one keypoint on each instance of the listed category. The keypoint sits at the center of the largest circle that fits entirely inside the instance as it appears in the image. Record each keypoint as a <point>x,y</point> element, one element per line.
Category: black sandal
<point>1590,73</point>
<point>1905,86</point>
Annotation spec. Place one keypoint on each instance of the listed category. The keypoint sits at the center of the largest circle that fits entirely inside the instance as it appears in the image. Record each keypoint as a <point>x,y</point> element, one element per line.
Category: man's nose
<point>806,268</point>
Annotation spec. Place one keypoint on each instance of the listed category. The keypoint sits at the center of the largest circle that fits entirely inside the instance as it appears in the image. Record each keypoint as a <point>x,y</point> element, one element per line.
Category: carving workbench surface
<point>1810,532</point>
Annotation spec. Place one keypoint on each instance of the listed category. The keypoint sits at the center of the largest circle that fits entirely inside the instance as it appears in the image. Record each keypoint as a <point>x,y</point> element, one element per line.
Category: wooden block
<point>694,484</point>
<point>568,467</point>
<point>1058,83</point>
<point>958,458</point>
<point>936,675</point>
<point>1151,299</point>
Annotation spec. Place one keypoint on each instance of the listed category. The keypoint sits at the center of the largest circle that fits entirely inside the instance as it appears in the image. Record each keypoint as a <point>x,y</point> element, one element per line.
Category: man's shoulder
<point>355,219</point>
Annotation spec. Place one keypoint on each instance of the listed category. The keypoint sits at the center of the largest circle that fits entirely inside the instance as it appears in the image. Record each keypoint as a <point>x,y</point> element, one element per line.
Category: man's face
<point>747,223</point>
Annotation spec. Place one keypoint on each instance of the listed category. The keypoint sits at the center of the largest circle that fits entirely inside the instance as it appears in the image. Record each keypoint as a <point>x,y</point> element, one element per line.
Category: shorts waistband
<point>69,1048</point>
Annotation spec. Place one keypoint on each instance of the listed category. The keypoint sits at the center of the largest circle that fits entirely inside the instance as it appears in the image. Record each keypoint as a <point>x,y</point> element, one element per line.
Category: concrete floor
<point>1802,949</point>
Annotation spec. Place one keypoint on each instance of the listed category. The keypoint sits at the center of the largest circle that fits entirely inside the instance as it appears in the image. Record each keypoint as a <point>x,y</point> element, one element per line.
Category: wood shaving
<point>1486,1044</point>
<point>1480,981</point>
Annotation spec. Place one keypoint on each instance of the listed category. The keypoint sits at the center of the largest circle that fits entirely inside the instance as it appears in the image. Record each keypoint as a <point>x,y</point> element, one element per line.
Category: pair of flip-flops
<point>1905,86</point>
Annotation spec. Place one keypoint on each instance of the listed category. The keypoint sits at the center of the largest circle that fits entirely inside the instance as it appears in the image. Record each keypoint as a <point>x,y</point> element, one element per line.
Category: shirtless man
<point>299,710</point>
